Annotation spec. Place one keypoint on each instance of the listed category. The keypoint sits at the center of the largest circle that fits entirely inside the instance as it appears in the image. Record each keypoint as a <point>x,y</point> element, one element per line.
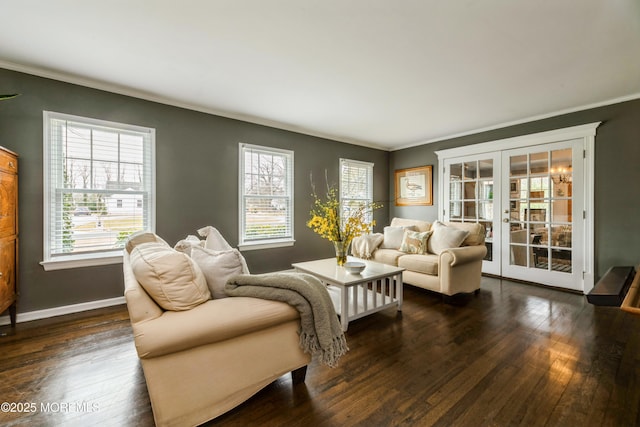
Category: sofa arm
<point>460,269</point>
<point>463,255</point>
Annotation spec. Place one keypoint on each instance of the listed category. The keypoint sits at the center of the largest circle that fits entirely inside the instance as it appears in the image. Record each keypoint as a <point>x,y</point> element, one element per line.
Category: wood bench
<point>612,288</point>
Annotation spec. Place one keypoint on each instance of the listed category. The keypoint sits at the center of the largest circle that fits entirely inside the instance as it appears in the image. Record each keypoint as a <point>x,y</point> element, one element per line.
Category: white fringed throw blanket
<point>364,246</point>
<point>320,332</point>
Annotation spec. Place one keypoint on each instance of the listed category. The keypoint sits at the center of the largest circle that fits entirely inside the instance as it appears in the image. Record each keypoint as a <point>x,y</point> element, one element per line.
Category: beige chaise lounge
<point>453,271</point>
<point>202,362</point>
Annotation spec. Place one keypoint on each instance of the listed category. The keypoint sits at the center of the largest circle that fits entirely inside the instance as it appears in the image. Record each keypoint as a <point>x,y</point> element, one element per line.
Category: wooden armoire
<point>8,232</point>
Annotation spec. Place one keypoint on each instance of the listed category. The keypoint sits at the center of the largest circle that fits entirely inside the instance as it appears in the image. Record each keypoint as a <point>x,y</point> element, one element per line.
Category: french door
<point>473,195</point>
<point>530,202</point>
<point>542,216</point>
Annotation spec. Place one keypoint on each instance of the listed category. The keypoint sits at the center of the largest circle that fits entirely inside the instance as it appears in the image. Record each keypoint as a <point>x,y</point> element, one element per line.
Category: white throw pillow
<point>214,239</point>
<point>393,236</point>
<point>444,237</point>
<point>185,245</point>
<point>218,267</point>
<point>171,278</point>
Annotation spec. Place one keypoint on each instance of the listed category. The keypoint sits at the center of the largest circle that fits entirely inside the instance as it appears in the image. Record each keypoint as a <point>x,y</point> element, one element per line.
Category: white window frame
<point>59,262</point>
<point>344,193</point>
<point>267,243</point>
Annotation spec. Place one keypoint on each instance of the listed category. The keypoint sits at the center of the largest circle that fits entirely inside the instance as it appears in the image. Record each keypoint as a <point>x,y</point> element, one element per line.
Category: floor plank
<point>513,355</point>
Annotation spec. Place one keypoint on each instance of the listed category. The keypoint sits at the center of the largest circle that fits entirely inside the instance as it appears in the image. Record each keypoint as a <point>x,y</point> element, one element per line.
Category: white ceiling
<point>386,74</point>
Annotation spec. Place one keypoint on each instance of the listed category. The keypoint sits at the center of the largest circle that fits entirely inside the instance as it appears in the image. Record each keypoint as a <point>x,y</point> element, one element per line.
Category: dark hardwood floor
<point>514,355</point>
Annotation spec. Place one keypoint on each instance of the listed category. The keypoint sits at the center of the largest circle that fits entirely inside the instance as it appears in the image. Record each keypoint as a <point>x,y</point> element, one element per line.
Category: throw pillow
<point>214,239</point>
<point>185,245</point>
<point>393,236</point>
<point>171,278</point>
<point>415,242</point>
<point>444,237</point>
<point>140,237</point>
<point>218,267</point>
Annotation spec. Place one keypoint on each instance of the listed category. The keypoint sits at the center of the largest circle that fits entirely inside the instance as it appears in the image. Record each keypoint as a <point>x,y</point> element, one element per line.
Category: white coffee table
<point>378,287</point>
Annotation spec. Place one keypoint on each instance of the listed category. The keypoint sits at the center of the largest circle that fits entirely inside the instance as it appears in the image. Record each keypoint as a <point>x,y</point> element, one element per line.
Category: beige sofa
<point>454,271</point>
<point>202,362</point>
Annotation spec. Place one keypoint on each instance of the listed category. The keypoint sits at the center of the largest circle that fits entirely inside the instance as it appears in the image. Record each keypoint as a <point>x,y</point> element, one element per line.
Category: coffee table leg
<point>399,291</point>
<point>344,308</point>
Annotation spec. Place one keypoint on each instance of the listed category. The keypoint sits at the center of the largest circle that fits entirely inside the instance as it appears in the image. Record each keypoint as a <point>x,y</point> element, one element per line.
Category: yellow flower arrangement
<point>327,221</point>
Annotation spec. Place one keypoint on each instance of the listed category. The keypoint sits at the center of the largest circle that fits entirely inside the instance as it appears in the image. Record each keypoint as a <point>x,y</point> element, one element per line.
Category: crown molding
<point>128,91</point>
<point>522,121</point>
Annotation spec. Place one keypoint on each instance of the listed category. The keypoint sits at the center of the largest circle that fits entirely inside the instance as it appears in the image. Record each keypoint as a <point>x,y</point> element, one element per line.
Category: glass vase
<point>342,248</point>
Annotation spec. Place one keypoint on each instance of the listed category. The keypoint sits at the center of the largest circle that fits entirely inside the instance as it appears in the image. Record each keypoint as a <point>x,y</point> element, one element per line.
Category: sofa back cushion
<point>171,278</point>
<point>418,225</point>
<point>476,232</point>
<point>445,237</point>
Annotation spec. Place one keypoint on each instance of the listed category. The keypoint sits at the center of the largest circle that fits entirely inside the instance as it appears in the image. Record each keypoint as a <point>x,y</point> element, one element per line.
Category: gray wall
<point>617,176</point>
<point>197,180</point>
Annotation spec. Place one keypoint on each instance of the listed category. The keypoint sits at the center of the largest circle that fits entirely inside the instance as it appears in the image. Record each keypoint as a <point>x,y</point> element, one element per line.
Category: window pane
<point>518,165</point>
<point>486,168</point>
<point>539,163</point>
<point>470,170</point>
<point>456,172</point>
<point>131,148</point>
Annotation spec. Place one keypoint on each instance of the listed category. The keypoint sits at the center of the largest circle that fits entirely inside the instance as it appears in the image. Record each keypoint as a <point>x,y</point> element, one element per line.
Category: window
<point>356,185</point>
<point>99,188</point>
<point>266,197</point>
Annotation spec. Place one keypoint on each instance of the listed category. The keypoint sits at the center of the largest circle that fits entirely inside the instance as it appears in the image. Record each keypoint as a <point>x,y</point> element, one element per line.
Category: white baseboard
<point>59,311</point>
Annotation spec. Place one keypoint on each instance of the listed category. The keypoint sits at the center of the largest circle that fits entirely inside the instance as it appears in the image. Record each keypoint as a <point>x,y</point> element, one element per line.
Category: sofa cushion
<point>427,264</point>
<point>445,237</point>
<point>415,242</point>
<point>417,224</point>
<point>211,322</point>
<point>217,267</point>
<point>171,278</point>
<point>476,232</point>
<point>393,236</point>
<point>387,256</point>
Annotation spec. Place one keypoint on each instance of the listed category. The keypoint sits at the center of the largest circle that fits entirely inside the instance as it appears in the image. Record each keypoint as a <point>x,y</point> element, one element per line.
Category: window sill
<point>265,244</point>
<point>78,261</point>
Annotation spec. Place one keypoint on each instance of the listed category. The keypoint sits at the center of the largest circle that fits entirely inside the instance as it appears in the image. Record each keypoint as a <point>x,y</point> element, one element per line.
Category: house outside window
<point>99,180</point>
<point>266,197</point>
<point>356,186</point>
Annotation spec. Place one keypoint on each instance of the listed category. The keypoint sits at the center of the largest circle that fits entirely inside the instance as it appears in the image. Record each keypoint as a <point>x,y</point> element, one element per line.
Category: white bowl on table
<point>354,267</point>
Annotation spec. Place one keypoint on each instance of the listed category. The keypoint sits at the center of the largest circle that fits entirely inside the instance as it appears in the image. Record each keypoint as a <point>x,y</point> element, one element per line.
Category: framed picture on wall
<point>414,186</point>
